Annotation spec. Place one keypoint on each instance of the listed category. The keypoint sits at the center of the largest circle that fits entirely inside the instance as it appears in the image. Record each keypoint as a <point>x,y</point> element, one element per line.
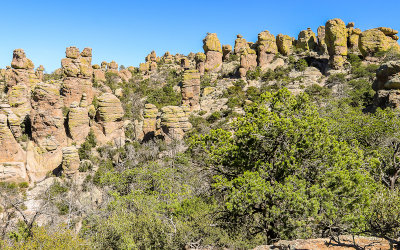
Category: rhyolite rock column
<point>336,40</point>
<point>213,50</point>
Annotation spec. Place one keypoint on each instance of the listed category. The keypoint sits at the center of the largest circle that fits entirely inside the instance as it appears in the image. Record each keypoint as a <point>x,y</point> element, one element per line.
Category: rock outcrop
<point>78,71</point>
<point>191,89</point>
<point>378,40</point>
<point>70,160</point>
<point>353,37</point>
<point>285,44</point>
<point>150,114</point>
<point>266,48</point>
<point>213,50</point>
<point>226,51</point>
<point>336,40</point>
<point>387,85</point>
<point>175,122</point>
<point>241,45</point>
<point>78,121</point>
<point>21,71</point>
<point>248,61</point>
<point>322,48</point>
<point>200,59</point>
<point>306,40</point>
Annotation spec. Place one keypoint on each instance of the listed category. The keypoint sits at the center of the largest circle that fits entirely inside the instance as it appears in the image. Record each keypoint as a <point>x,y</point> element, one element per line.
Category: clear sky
<point>126,31</point>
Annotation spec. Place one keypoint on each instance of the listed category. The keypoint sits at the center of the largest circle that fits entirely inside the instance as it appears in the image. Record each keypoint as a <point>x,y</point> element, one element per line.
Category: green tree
<point>281,174</point>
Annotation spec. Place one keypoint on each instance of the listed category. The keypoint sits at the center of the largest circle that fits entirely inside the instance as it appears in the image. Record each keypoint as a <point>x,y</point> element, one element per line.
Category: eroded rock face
<point>285,44</point>
<point>353,37</point>
<point>267,48</point>
<point>150,114</point>
<point>20,61</point>
<point>200,59</point>
<point>248,61</point>
<point>12,156</point>
<point>241,45</point>
<point>226,51</point>
<point>70,160</point>
<point>175,122</point>
<point>19,99</point>
<point>374,41</point>
<point>336,40</point>
<point>78,121</point>
<point>47,118</point>
<point>78,71</point>
<point>213,51</point>
<point>109,115</point>
<point>306,40</point>
<point>21,71</point>
<point>388,76</point>
<point>322,48</point>
<point>191,89</point>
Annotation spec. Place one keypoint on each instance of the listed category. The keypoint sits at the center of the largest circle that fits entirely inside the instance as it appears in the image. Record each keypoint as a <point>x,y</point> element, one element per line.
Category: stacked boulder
<point>336,40</point>
<point>175,122</point>
<point>248,61</point>
<point>191,89</point>
<point>285,44</point>
<point>213,50</point>
<point>226,51</point>
<point>378,40</point>
<point>78,72</point>
<point>78,120</point>
<point>267,48</point>
<point>353,37</point>
<point>241,45</point>
<point>99,74</point>
<point>150,64</point>
<point>21,71</point>
<point>70,160</point>
<point>306,40</point>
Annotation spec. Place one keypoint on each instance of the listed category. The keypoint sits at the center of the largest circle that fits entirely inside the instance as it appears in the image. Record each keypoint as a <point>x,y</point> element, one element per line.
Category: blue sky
<point>126,31</point>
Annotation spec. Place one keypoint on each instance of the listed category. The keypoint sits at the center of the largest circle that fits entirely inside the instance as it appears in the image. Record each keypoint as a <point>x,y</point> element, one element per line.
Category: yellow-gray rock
<point>374,40</point>
<point>21,71</point>
<point>112,67</point>
<point>47,118</point>
<point>12,156</point>
<point>285,44</point>
<point>78,122</point>
<point>213,51</point>
<point>388,76</point>
<point>110,113</point>
<point>336,40</point>
<point>191,89</point>
<point>241,45</point>
<point>248,61</point>
<point>39,73</point>
<point>267,48</point>
<point>322,48</point>
<point>200,59</point>
<point>20,61</point>
<point>353,37</point>
<point>175,122</point>
<point>78,71</point>
<point>19,100</point>
<point>185,63</point>
<point>70,160</point>
<point>150,121</point>
<point>167,58</point>
<point>125,75</point>
<point>226,52</point>
<point>306,40</point>
<point>98,74</point>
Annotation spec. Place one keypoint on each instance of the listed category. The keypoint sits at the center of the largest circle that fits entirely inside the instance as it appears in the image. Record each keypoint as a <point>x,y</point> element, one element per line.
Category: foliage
<point>254,74</point>
<point>86,147</point>
<point>281,175</point>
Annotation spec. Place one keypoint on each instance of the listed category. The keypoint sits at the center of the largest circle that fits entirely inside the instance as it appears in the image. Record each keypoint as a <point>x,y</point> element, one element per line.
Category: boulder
<point>226,52</point>
<point>78,122</point>
<point>248,61</point>
<point>20,61</point>
<point>109,115</point>
<point>149,126</point>
<point>374,41</point>
<point>336,40</point>
<point>353,37</point>
<point>213,51</point>
<point>322,48</point>
<point>70,160</point>
<point>175,122</point>
<point>285,44</point>
<point>267,48</point>
<point>200,59</point>
<point>240,45</point>
<point>388,76</point>
<point>306,40</point>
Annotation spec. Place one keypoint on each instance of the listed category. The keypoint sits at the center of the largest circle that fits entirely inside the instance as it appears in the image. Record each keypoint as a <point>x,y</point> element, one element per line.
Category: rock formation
<point>241,45</point>
<point>322,48</point>
<point>78,121</point>
<point>353,37</point>
<point>248,61</point>
<point>285,44</point>
<point>150,114</point>
<point>175,122</point>
<point>98,74</point>
<point>78,71</point>
<point>70,160</point>
<point>191,89</point>
<point>306,40</point>
<point>387,85</point>
<point>267,48</point>
<point>212,49</point>
<point>21,71</point>
<point>378,40</point>
<point>200,59</point>
<point>336,41</point>
<point>226,51</point>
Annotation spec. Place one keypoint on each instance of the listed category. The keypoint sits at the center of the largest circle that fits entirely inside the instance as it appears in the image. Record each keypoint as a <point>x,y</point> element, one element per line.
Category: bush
<point>254,74</point>
<point>86,147</point>
<point>301,65</point>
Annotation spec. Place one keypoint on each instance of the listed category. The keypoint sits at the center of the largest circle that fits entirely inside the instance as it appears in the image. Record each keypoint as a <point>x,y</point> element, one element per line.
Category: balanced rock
<point>285,44</point>
<point>241,45</point>
<point>267,48</point>
<point>110,113</point>
<point>374,41</point>
<point>20,61</point>
<point>77,68</point>
<point>306,40</point>
<point>21,71</point>
<point>191,89</point>
<point>213,51</point>
<point>336,41</point>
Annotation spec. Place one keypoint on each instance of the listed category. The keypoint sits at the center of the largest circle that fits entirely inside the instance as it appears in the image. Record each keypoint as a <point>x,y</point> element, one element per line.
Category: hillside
<point>256,145</point>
